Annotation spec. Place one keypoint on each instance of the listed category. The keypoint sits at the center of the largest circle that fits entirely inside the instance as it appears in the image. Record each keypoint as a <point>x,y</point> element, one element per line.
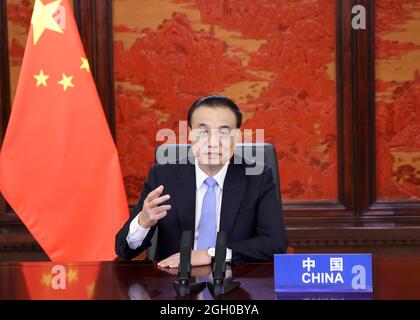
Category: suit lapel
<point>233,191</point>
<point>184,191</point>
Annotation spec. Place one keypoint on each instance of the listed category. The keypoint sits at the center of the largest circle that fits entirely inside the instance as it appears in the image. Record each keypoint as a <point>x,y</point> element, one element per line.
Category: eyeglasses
<point>223,133</point>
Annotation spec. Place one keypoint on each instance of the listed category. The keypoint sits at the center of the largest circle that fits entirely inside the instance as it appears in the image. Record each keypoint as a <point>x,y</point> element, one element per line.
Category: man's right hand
<point>152,212</point>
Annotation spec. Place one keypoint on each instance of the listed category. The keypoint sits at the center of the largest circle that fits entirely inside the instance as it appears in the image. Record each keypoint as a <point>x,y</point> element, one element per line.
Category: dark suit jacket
<point>251,213</point>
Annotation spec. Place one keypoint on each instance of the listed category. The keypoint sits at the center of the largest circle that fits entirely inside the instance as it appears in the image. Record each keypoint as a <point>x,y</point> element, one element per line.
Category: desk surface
<point>394,277</point>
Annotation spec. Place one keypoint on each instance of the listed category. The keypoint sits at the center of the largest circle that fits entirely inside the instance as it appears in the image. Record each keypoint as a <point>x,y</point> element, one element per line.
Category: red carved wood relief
<point>398,99</point>
<point>276,59</point>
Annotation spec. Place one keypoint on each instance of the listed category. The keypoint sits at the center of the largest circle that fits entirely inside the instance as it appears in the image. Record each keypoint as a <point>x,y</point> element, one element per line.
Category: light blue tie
<point>207,229</point>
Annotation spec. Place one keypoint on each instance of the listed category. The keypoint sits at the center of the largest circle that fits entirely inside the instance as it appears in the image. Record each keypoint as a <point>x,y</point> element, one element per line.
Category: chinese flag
<point>59,167</point>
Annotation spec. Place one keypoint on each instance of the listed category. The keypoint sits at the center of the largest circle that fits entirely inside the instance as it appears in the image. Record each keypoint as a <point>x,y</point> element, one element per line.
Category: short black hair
<point>216,101</point>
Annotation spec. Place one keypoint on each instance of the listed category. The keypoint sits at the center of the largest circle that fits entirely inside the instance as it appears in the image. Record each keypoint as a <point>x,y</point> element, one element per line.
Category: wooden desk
<point>394,278</point>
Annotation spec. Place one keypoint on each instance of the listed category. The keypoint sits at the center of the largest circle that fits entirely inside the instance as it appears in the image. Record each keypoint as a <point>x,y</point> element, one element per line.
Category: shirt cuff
<point>136,234</point>
<point>211,253</point>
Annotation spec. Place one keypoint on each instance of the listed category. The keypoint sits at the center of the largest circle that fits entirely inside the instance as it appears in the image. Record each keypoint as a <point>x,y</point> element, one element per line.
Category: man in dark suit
<point>213,193</point>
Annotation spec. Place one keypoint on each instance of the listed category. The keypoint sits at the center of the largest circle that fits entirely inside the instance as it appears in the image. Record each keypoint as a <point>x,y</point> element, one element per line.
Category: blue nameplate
<point>323,272</point>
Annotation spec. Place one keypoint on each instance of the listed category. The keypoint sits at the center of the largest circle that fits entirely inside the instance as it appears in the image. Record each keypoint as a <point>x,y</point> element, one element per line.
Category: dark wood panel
<point>17,244</point>
<point>398,210</point>
<point>364,92</point>
<point>309,210</point>
<point>349,233</point>
<point>345,113</point>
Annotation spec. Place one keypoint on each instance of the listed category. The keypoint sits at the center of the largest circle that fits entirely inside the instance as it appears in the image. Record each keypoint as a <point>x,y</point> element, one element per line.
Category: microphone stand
<point>183,286</point>
<point>220,286</point>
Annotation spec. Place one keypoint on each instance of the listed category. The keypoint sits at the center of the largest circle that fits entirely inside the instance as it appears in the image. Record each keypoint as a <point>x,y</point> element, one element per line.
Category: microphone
<point>219,265</point>
<point>184,269</point>
<point>183,286</point>
<point>219,286</point>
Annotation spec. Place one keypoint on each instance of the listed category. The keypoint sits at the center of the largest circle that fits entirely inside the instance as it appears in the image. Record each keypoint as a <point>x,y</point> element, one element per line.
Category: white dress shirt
<point>137,233</point>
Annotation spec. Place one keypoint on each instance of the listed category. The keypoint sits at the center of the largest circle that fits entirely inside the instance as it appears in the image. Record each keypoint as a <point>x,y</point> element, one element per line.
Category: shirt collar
<point>200,175</point>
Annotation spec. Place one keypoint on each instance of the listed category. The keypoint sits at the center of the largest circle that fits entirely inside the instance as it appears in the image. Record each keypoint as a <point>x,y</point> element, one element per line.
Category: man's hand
<point>198,258</point>
<point>152,212</point>
<point>200,271</point>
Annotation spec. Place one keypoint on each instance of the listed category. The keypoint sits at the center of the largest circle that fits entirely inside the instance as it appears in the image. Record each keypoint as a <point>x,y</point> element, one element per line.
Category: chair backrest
<point>259,152</point>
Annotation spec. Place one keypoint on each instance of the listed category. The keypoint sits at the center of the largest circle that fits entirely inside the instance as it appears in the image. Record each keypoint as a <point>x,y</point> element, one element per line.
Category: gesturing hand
<point>152,212</point>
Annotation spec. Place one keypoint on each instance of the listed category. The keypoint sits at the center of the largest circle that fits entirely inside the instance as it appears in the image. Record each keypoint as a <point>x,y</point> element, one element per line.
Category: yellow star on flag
<point>72,275</point>
<point>66,82</point>
<point>46,280</point>
<point>85,64</point>
<point>41,79</point>
<point>43,19</point>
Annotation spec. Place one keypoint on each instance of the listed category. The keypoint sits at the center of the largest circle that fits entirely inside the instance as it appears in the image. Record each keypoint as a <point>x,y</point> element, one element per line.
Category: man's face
<point>213,134</point>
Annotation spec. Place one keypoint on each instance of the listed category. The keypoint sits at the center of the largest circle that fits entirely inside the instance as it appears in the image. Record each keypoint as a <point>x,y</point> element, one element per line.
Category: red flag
<point>60,282</point>
<point>59,168</point>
